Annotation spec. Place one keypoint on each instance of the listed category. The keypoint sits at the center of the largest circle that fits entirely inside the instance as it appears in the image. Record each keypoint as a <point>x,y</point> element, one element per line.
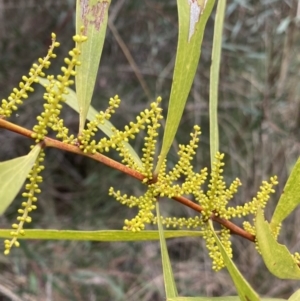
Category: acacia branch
<point>49,142</point>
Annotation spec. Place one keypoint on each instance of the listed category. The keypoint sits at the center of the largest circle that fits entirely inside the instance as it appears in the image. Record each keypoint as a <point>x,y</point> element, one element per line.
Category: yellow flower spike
<point>249,228</point>
<point>296,257</point>
<point>127,159</point>
<point>261,199</point>
<point>150,141</point>
<point>54,96</point>
<point>130,131</point>
<point>57,125</point>
<point>15,98</point>
<point>92,126</point>
<point>31,188</point>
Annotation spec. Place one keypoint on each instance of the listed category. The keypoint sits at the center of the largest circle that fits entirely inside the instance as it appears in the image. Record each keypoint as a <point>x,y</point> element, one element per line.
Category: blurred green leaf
<point>276,256</point>
<point>187,58</point>
<point>13,174</point>
<point>93,15</point>
<point>170,285</point>
<point>243,288</point>
<point>214,80</point>
<point>295,296</point>
<point>103,235</point>
<point>227,298</point>
<point>290,197</point>
<point>71,100</point>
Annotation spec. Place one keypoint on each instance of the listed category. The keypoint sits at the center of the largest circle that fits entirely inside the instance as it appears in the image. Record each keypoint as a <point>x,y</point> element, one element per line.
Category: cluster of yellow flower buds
<point>32,188</point>
<point>182,180</point>
<point>54,96</point>
<point>25,86</point>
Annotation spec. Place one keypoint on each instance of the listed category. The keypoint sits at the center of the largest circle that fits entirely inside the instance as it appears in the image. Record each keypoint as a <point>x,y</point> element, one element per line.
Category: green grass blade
<point>93,15</point>
<point>187,58</point>
<point>13,174</point>
<point>243,288</point>
<point>276,256</point>
<point>71,100</point>
<point>170,285</point>
<point>227,298</point>
<point>214,80</point>
<point>102,235</point>
<point>289,198</point>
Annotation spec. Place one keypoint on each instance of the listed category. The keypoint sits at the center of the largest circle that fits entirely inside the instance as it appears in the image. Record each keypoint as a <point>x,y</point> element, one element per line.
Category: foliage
<point>180,181</point>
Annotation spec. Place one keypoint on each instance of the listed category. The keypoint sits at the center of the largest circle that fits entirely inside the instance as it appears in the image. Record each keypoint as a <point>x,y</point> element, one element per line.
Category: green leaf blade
<point>101,235</point>
<point>170,286</point>
<point>276,256</point>
<point>13,174</point>
<point>225,298</point>
<point>289,198</point>
<point>244,289</point>
<point>93,15</point>
<point>214,80</point>
<point>187,58</point>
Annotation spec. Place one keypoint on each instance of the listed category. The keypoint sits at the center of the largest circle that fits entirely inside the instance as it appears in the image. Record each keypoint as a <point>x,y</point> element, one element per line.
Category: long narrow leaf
<point>289,198</point>
<point>227,298</point>
<point>103,235</point>
<point>13,174</point>
<point>276,256</point>
<point>170,286</point>
<point>214,80</point>
<point>243,288</point>
<point>93,15</point>
<point>192,18</point>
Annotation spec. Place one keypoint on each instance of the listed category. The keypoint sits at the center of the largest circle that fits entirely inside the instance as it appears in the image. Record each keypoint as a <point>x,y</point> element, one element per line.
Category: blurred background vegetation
<point>259,119</point>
